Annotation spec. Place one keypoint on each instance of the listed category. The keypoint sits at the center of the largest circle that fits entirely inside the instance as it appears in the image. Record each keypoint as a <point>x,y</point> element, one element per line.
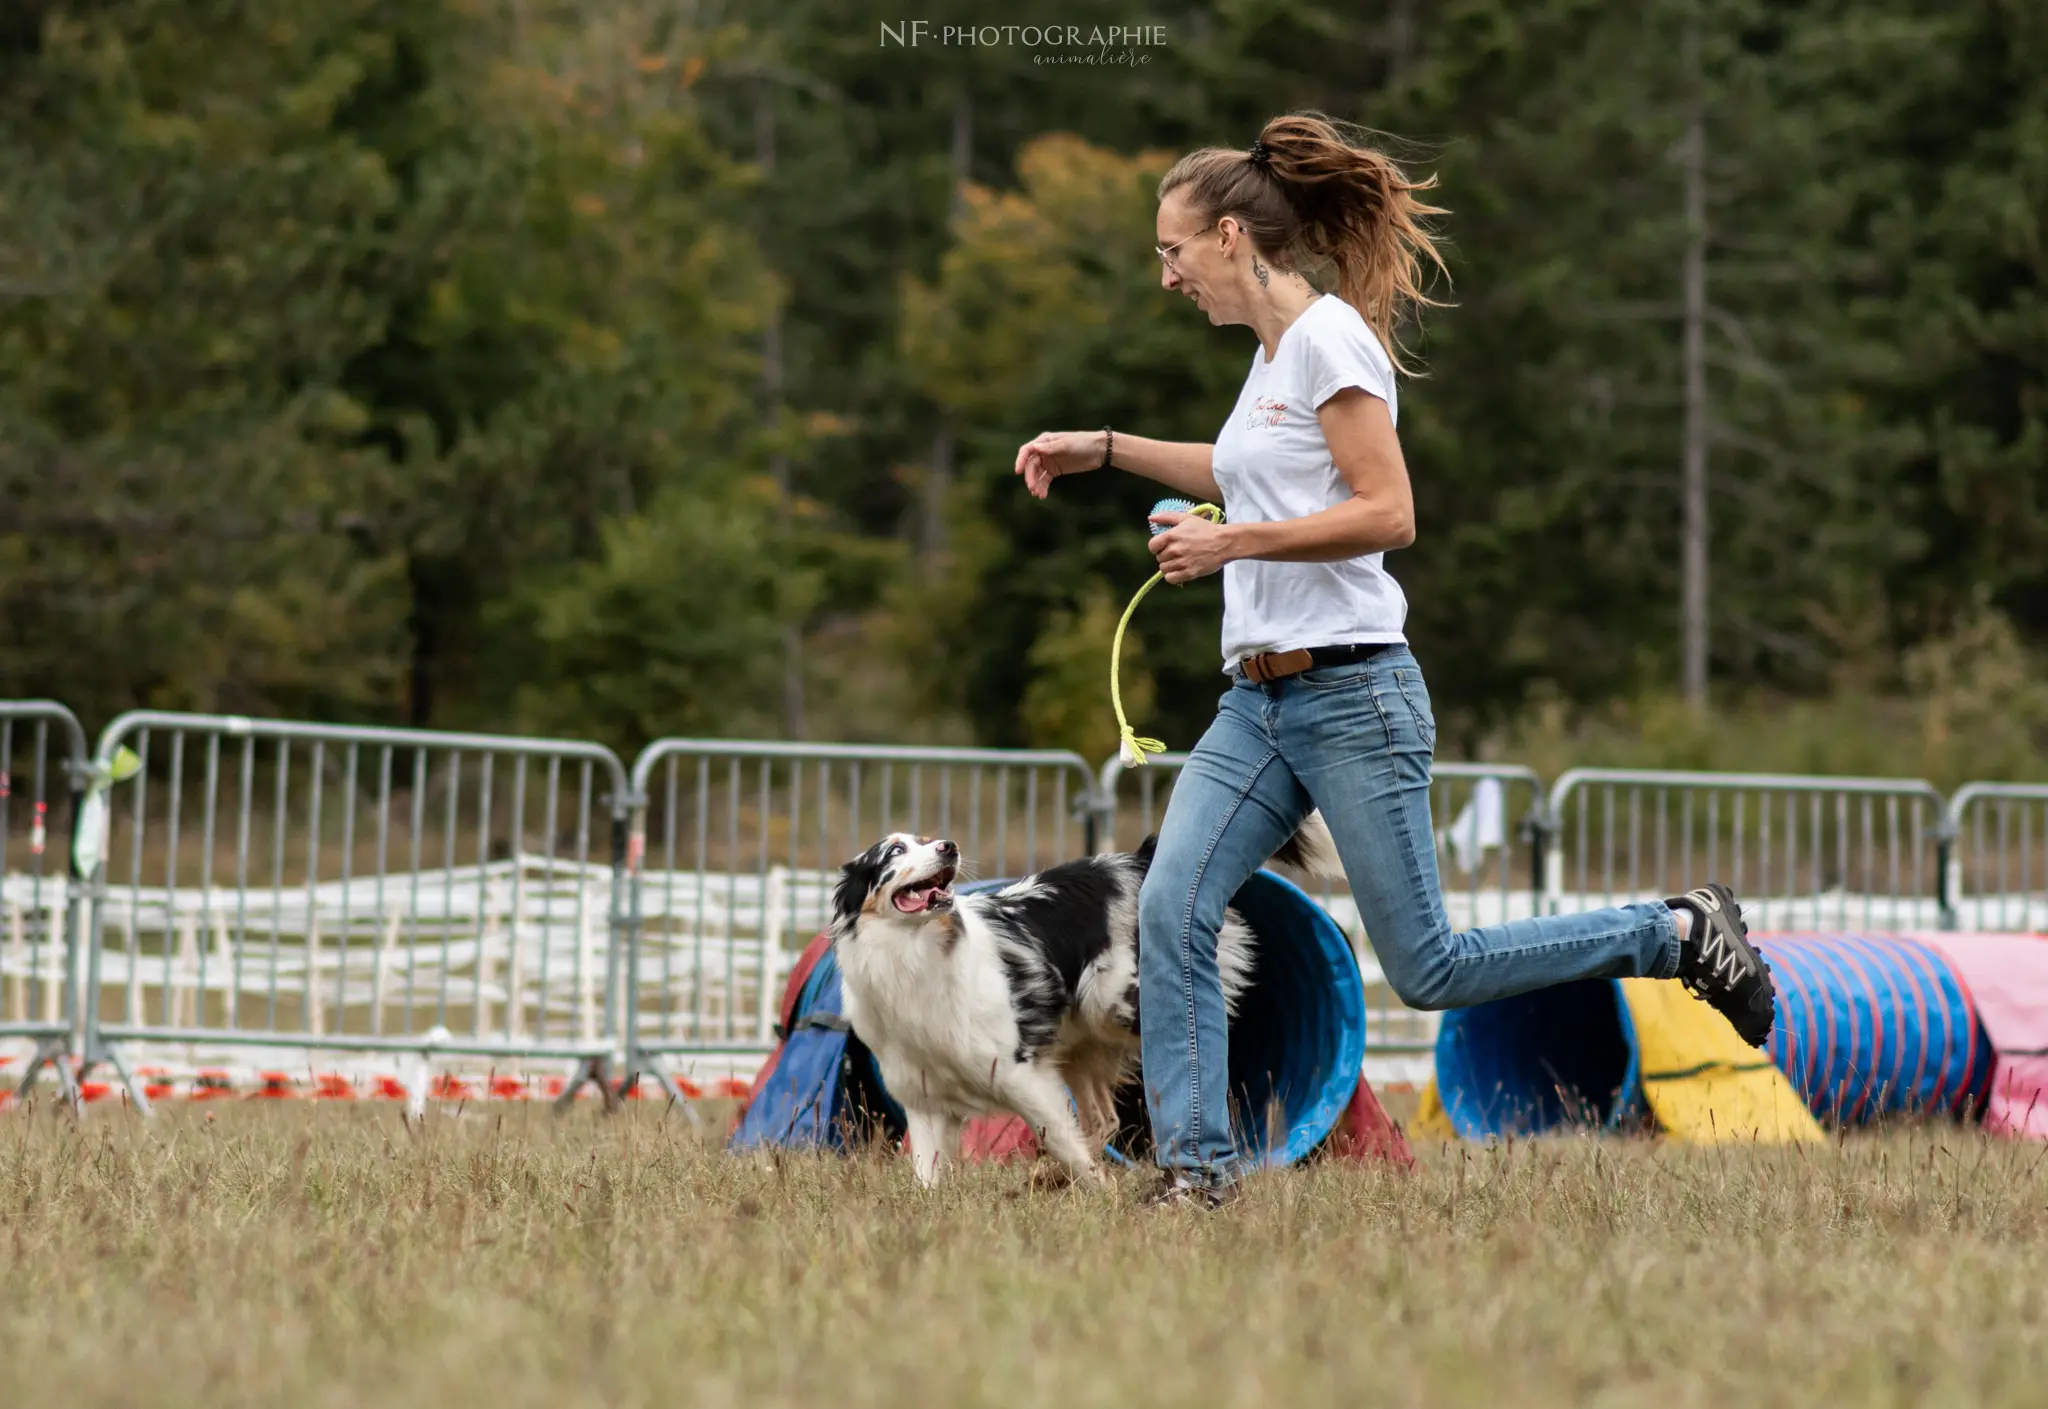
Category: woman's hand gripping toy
<point>1187,543</point>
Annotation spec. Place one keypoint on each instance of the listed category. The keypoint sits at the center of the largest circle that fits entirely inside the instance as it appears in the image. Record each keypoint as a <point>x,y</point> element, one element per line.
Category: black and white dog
<point>1005,1002</point>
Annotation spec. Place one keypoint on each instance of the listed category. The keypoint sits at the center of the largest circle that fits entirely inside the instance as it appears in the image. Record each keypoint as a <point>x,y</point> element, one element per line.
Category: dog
<point>1007,1001</point>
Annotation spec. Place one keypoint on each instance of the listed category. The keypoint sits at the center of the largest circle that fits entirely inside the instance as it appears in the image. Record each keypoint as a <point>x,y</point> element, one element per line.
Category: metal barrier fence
<point>43,776</point>
<point>307,887</point>
<point>1489,860</point>
<point>356,889</point>
<point>1800,852</point>
<point>1995,871</point>
<point>736,847</point>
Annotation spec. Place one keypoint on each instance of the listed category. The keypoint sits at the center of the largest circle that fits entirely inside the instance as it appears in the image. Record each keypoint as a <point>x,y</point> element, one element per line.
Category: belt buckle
<point>1269,666</point>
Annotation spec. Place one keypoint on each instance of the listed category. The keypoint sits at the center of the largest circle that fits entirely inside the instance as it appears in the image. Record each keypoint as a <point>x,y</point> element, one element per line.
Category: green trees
<point>192,238</point>
<point>618,369</point>
<point>339,334</point>
<point>1847,173</point>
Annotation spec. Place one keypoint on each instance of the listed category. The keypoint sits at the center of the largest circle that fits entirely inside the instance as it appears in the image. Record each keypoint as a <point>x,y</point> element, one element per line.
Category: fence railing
<point>1801,852</point>
<point>271,884</point>
<point>736,847</point>
<point>43,776</point>
<point>276,884</point>
<point>1995,870</point>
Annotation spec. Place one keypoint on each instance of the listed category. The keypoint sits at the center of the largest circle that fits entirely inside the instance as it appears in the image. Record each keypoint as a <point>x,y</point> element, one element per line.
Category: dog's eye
<point>893,852</point>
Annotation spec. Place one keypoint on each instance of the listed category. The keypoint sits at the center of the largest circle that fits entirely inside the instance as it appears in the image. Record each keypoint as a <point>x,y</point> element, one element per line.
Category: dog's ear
<point>856,881</point>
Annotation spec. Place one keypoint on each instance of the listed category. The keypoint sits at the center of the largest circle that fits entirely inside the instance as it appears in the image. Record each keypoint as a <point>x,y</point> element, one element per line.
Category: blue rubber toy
<point>1167,506</point>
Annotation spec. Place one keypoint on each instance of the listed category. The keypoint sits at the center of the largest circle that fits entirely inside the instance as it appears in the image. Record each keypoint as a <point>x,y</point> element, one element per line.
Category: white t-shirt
<point>1272,463</point>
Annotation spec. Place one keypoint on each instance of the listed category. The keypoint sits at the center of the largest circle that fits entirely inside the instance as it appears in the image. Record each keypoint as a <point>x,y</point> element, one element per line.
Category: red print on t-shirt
<point>1267,412</point>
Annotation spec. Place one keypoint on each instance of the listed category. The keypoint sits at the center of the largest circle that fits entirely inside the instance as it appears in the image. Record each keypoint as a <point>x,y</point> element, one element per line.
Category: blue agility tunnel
<point>1296,1047</point>
<point>1558,1056</point>
<point>819,1089</point>
<point>1867,1026</point>
<point>1298,1042</point>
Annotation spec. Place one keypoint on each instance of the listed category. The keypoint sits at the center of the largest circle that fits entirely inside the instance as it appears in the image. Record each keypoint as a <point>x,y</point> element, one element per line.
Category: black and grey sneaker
<point>1173,1191</point>
<point>1717,964</point>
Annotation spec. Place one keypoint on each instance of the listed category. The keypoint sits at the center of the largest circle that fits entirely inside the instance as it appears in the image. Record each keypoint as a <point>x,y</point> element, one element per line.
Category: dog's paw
<point>1049,1175</point>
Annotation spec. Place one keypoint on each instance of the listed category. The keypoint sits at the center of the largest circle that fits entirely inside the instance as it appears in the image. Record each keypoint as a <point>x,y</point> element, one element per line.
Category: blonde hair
<point>1308,194</point>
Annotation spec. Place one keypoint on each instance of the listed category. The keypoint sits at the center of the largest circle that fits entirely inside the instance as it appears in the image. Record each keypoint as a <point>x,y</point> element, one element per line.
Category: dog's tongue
<point>913,900</point>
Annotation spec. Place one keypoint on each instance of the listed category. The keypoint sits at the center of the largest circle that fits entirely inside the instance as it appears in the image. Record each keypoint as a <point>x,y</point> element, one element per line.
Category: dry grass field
<point>252,1253</point>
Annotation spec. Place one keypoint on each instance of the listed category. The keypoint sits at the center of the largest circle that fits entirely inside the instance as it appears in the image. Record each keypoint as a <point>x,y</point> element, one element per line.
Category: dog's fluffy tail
<point>1311,850</point>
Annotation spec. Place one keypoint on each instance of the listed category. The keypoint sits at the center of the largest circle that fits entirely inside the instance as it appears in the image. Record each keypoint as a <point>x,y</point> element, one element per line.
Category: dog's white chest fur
<point>935,1012</point>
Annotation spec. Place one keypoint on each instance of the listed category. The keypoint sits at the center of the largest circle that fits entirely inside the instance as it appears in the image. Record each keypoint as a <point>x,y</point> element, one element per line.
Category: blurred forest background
<point>636,367</point>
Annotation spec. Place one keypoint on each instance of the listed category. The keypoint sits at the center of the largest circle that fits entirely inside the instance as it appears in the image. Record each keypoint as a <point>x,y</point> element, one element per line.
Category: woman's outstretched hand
<point>1057,453</point>
<point>1188,547</point>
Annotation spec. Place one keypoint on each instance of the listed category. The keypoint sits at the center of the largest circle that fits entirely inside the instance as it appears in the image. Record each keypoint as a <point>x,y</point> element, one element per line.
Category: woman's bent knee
<point>1430,995</point>
<point>1421,976</point>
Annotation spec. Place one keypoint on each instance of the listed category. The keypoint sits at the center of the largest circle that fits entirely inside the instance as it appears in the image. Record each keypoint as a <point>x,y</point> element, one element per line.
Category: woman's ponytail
<point>1360,212</point>
<point>1309,195</point>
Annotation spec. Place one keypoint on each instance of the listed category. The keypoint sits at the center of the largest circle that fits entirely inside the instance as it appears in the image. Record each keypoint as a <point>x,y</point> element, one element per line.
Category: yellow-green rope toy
<point>1132,748</point>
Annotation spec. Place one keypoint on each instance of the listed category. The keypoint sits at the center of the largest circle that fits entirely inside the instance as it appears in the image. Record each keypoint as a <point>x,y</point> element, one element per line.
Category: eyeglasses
<point>1166,252</point>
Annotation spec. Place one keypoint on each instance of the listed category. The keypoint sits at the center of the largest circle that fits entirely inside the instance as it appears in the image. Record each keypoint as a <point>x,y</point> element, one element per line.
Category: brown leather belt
<point>1278,665</point>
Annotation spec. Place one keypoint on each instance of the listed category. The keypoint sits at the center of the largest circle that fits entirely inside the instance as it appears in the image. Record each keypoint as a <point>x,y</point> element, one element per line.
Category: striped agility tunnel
<point>1876,1025</point>
<point>1869,1026</point>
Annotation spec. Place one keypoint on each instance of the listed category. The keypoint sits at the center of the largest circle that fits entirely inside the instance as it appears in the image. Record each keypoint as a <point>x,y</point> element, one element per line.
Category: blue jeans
<point>1355,741</point>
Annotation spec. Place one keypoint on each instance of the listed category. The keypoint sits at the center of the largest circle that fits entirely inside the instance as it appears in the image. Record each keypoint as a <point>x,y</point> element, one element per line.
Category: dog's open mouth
<point>934,893</point>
